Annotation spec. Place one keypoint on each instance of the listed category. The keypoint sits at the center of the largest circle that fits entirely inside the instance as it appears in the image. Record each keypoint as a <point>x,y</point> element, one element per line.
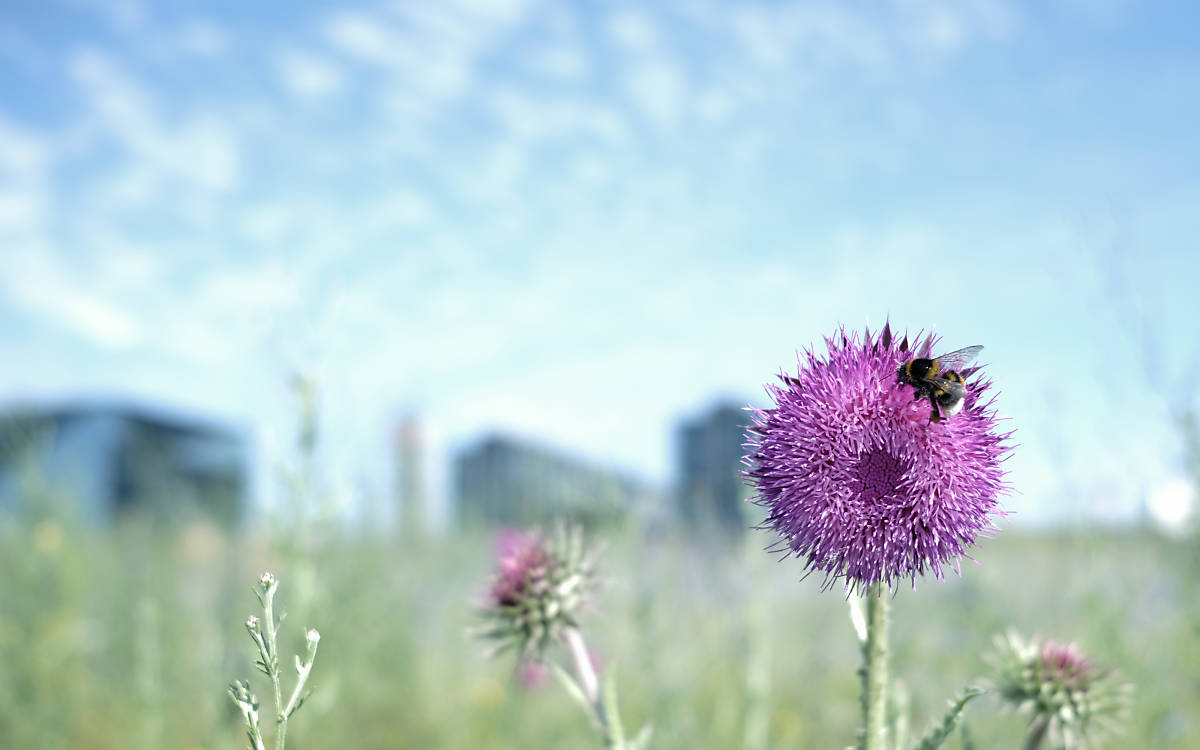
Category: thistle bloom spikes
<point>538,589</point>
<point>855,477</point>
<point>1067,696</point>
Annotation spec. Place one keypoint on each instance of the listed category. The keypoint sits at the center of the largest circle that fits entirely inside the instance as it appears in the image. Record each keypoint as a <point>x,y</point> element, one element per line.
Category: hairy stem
<point>875,654</point>
<point>272,662</point>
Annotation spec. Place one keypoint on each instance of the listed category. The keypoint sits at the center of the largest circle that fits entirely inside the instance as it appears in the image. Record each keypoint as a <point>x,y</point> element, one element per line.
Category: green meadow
<point>127,637</point>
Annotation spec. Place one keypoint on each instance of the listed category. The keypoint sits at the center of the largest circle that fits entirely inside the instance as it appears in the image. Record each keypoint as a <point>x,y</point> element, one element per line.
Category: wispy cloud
<point>202,150</point>
<point>38,281</point>
<point>306,75</point>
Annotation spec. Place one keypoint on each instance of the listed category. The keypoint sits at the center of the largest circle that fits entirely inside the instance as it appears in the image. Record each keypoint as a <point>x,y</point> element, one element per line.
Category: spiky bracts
<point>855,477</point>
<point>1067,697</point>
<point>540,584</point>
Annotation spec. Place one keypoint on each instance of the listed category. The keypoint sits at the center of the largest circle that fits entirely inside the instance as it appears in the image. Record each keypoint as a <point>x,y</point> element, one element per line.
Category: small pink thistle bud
<point>532,674</point>
<point>538,589</point>
<point>1066,696</point>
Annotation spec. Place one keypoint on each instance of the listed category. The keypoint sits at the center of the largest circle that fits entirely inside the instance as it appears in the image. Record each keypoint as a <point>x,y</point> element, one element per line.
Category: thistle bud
<point>1064,693</point>
<point>537,590</point>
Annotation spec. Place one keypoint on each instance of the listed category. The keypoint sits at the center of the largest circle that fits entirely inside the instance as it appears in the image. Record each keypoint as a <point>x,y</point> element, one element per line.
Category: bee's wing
<point>958,359</point>
<point>946,386</point>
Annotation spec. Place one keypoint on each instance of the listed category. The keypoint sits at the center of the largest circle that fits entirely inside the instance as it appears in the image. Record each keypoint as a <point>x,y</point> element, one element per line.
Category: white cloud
<point>715,105</point>
<point>399,209</point>
<point>820,35</point>
<point>541,118</point>
<point>633,29</point>
<point>267,223</point>
<point>135,185</point>
<point>22,152</point>
<point>360,36</point>
<point>431,50</point>
<point>306,75</point>
<point>269,286</point>
<point>20,209</point>
<point>122,15</point>
<point>201,150</point>
<point>658,89</point>
<point>498,173</point>
<point>39,282</point>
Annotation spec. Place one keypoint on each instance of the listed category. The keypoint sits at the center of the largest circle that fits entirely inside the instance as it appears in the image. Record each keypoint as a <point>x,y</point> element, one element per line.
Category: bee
<point>937,379</point>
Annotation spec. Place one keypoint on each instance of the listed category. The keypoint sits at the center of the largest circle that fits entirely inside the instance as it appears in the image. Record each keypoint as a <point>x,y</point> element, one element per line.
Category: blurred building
<point>500,480</point>
<point>711,491</point>
<point>108,458</point>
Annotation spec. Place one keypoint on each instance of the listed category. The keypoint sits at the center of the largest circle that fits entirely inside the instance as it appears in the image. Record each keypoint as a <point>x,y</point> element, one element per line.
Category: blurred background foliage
<point>125,638</point>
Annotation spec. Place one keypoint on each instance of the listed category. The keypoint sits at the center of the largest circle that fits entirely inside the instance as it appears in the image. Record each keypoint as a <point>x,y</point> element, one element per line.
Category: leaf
<point>934,738</point>
<point>857,618</point>
<point>300,702</point>
<point>612,715</point>
<point>967,742</point>
<point>575,692</point>
<point>641,741</point>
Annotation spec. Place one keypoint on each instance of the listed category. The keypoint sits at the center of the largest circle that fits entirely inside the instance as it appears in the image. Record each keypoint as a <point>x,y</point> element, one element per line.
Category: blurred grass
<point>127,637</point>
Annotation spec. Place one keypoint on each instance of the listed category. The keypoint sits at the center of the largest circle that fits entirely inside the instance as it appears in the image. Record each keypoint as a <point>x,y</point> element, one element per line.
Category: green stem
<point>875,653</point>
<point>273,667</point>
<point>603,702</point>
<point>1037,733</point>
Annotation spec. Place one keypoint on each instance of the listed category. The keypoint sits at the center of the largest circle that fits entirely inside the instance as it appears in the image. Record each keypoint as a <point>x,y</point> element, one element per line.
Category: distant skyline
<point>583,223</point>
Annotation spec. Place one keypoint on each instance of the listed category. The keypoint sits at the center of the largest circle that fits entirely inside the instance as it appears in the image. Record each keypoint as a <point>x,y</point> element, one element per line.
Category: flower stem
<point>272,663</point>
<point>583,664</point>
<point>1037,732</point>
<point>875,678</point>
<point>603,703</point>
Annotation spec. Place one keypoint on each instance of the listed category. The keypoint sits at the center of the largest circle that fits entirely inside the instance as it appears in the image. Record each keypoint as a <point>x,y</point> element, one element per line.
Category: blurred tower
<point>410,476</point>
<point>711,490</point>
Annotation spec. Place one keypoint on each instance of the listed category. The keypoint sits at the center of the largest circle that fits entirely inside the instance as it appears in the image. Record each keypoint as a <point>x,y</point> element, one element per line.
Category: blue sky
<point>582,222</point>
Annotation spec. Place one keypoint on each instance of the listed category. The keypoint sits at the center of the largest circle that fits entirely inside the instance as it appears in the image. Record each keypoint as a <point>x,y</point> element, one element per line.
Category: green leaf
<point>934,738</point>
<point>641,741</point>
<point>300,702</point>
<point>576,693</point>
<point>967,742</point>
<point>612,715</point>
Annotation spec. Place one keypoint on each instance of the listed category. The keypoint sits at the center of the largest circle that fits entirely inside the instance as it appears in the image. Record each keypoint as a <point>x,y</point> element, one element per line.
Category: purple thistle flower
<point>855,477</point>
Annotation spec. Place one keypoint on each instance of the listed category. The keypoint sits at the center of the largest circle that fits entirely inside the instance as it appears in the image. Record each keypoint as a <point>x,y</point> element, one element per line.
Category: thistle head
<point>538,589</point>
<point>858,481</point>
<point>1059,687</point>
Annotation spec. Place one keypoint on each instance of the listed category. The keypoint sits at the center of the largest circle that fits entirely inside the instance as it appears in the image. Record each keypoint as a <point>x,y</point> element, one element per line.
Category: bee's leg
<point>934,415</point>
